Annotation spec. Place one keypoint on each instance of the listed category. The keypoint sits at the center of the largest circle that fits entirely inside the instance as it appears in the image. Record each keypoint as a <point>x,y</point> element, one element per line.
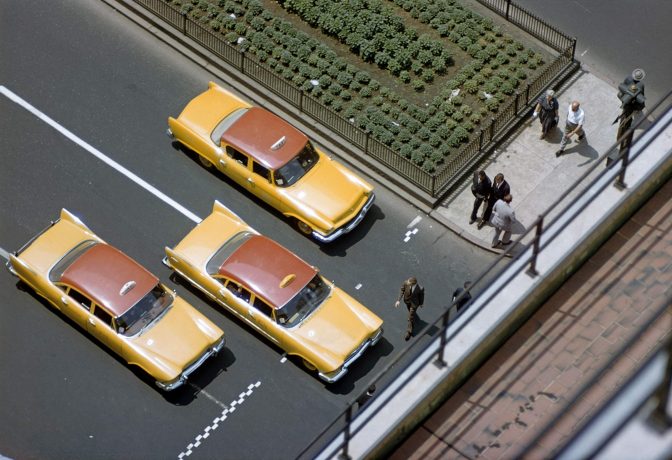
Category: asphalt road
<point>112,86</point>
<point>616,36</point>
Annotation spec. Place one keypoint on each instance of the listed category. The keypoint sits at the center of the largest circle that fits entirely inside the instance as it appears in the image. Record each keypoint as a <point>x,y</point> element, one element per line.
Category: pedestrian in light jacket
<point>503,218</point>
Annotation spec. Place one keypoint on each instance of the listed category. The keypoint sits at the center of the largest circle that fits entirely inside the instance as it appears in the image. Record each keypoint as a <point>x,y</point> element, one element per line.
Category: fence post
<point>242,62</point>
<point>440,362</point>
<point>366,144</point>
<point>508,5</point>
<point>184,23</point>
<point>573,47</point>
<point>532,271</point>
<point>301,101</point>
<point>346,435</point>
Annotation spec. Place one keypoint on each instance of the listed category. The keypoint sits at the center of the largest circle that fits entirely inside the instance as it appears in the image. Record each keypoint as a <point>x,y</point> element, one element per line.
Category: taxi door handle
<point>250,181</point>
<point>92,322</point>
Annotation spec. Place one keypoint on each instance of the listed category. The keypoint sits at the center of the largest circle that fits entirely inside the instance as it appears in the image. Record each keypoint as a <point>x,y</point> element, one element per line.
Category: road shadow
<point>361,368</point>
<point>339,248</point>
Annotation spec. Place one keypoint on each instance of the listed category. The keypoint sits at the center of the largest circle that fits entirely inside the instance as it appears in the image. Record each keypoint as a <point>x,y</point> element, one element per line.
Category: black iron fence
<point>457,163</point>
<point>531,24</point>
<point>342,426</point>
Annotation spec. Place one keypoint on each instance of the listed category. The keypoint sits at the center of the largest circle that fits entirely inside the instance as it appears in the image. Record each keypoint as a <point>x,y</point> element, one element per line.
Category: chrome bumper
<point>212,351</point>
<point>336,375</point>
<point>347,227</point>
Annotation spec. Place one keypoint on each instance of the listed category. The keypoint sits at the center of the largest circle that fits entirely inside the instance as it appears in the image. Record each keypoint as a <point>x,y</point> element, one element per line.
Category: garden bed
<point>420,77</point>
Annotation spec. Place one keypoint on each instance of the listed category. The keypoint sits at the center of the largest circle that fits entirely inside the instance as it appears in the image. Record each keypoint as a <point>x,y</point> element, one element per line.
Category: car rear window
<point>223,253</point>
<point>59,268</point>
<point>226,122</point>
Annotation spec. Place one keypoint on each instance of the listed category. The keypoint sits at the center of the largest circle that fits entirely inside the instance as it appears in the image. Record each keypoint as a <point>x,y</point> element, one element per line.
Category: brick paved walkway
<point>502,407</point>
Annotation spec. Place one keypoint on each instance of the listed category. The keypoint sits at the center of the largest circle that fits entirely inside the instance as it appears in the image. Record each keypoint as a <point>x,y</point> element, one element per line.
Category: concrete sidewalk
<point>536,176</point>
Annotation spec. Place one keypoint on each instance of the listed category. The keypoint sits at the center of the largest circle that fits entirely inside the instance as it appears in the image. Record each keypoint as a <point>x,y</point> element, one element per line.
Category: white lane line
<point>4,254</point>
<point>414,222</point>
<point>284,358</point>
<point>217,420</point>
<point>98,154</point>
<point>584,52</point>
<point>358,286</point>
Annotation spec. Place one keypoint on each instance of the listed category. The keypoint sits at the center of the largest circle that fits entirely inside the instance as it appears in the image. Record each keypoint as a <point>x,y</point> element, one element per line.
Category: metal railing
<point>342,423</point>
<point>530,23</point>
<point>455,166</point>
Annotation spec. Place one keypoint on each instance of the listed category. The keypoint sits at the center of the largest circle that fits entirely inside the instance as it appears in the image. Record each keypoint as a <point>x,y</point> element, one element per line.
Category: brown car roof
<point>261,264</point>
<point>257,130</point>
<point>102,271</point>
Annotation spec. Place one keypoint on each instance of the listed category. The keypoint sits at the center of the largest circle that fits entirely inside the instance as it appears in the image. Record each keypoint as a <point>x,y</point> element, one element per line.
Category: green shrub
<point>405,76</point>
<point>428,75</point>
<point>492,104</point>
<point>406,151</point>
<point>428,166</point>
<point>418,85</point>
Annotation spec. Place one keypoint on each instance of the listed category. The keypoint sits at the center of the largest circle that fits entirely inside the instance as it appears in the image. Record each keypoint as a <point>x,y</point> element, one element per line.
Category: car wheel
<point>304,228</point>
<point>205,162</point>
<point>308,365</point>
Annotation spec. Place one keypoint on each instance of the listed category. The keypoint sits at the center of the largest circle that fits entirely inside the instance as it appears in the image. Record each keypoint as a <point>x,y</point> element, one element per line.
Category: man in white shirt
<point>574,125</point>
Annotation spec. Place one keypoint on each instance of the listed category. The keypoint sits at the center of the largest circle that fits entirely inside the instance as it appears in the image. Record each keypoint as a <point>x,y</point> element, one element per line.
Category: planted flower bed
<point>374,34</point>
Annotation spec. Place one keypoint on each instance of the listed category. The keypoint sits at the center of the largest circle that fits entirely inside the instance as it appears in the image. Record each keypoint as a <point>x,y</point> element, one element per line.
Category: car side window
<point>263,307</point>
<point>80,298</point>
<point>236,155</point>
<point>102,315</point>
<point>261,171</point>
<point>239,291</point>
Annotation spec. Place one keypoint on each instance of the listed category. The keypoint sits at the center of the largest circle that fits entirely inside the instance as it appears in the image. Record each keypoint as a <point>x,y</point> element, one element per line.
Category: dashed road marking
<point>358,286</point>
<point>584,52</point>
<point>409,234</point>
<point>414,222</point>
<point>284,358</point>
<point>218,420</point>
<point>4,254</point>
<point>98,154</point>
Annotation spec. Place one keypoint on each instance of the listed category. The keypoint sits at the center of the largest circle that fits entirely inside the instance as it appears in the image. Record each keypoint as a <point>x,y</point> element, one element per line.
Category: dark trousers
<point>488,210</point>
<point>477,204</point>
<point>411,318</point>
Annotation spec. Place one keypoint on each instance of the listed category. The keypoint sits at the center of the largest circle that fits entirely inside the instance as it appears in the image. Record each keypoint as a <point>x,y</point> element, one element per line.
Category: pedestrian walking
<point>573,125</point>
<point>500,188</point>
<point>481,189</point>
<point>503,218</point>
<point>547,111</point>
<point>413,296</point>
<point>462,303</point>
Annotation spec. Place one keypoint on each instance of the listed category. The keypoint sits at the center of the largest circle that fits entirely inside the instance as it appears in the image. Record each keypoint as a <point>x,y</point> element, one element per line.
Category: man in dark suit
<point>464,301</point>
<point>500,188</point>
<point>414,296</point>
<point>481,189</point>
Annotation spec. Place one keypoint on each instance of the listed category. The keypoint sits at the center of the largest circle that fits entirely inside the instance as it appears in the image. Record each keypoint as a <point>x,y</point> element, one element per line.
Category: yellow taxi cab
<point>276,293</point>
<point>274,161</point>
<point>117,301</point>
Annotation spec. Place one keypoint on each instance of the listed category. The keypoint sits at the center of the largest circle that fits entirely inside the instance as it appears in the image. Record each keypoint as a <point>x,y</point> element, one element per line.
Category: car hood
<point>339,326</point>
<point>330,190</point>
<point>178,338</point>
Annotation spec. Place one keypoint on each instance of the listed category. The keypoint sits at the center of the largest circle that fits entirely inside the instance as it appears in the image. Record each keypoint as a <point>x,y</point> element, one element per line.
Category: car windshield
<point>296,167</point>
<point>303,303</point>
<point>145,311</point>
